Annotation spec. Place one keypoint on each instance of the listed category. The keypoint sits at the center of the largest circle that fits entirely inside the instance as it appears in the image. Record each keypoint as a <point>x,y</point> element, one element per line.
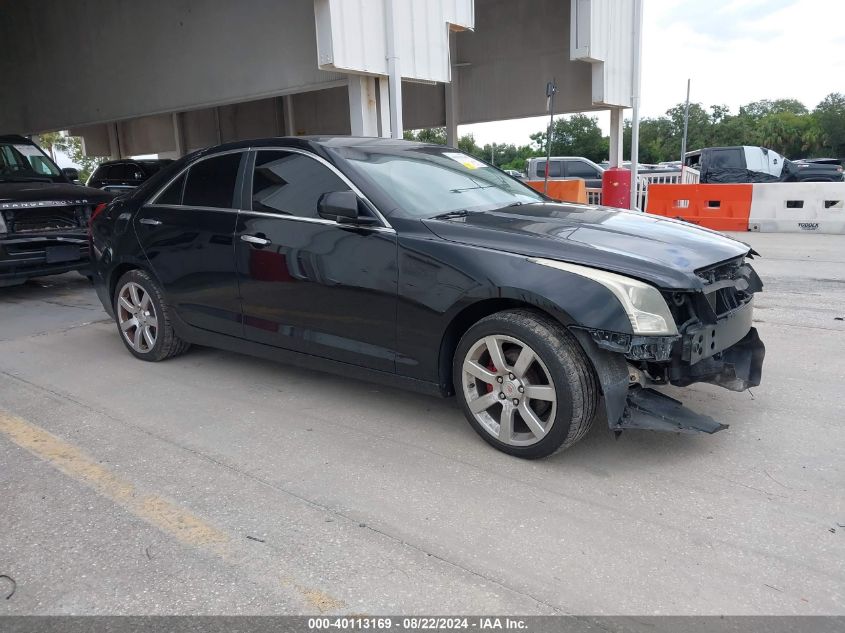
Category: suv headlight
<point>645,306</point>
<point>3,228</point>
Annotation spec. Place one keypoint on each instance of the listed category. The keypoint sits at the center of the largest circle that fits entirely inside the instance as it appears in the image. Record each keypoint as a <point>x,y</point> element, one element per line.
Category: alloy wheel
<point>137,317</point>
<point>509,390</point>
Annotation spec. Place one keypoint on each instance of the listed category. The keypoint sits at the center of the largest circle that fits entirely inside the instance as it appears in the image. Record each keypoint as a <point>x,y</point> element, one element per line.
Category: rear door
<point>186,233</point>
<point>308,284</point>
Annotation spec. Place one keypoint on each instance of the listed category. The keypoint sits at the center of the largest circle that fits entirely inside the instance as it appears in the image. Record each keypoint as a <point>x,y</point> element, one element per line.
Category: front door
<point>187,234</point>
<point>308,284</point>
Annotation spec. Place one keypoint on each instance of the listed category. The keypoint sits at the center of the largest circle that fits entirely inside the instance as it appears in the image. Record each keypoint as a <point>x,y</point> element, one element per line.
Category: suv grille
<point>46,219</point>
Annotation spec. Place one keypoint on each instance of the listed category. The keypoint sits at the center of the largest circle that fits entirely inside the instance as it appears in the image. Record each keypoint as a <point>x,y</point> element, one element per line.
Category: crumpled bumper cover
<point>737,368</point>
<point>651,410</point>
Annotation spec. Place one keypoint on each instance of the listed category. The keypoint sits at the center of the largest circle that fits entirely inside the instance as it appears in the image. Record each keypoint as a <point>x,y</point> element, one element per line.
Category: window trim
<point>325,163</point>
<point>247,183</point>
<point>152,199</point>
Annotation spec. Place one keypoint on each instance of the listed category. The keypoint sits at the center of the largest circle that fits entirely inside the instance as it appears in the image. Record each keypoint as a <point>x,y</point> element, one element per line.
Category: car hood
<point>18,194</point>
<point>652,248</point>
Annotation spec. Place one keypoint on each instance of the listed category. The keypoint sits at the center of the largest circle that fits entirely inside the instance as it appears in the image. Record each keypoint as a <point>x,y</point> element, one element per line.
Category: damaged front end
<point>716,343</point>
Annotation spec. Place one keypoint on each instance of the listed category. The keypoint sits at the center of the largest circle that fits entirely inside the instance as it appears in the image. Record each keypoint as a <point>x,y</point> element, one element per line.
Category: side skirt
<point>307,361</point>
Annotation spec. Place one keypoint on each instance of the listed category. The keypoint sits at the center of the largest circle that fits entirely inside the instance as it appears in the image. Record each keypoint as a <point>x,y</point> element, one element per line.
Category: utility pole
<point>686,125</point>
<point>492,150</point>
<point>551,89</point>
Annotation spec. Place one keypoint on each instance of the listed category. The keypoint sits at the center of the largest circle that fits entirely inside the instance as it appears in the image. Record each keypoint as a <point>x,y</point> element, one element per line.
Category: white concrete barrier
<point>800,207</point>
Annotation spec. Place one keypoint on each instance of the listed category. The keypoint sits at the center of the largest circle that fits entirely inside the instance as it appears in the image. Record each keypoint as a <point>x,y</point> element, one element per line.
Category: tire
<point>144,319</point>
<point>550,396</point>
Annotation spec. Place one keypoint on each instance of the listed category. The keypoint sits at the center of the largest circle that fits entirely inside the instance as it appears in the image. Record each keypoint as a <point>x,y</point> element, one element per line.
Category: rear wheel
<point>524,383</point>
<point>143,318</point>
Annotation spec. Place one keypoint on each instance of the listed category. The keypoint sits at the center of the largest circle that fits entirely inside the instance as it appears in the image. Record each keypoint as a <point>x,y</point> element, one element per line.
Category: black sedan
<point>419,266</point>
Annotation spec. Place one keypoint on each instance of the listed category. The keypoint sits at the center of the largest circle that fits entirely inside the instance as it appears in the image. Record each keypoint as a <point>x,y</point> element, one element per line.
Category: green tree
<point>51,142</point>
<point>765,107</point>
<point>578,135</point>
<point>830,116</point>
<point>86,164</point>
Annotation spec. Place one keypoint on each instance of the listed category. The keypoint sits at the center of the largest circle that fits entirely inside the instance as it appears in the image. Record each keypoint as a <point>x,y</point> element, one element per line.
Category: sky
<point>734,51</point>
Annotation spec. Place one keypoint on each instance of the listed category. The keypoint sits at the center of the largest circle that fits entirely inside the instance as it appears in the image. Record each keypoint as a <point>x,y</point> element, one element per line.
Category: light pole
<point>686,125</point>
<point>551,89</point>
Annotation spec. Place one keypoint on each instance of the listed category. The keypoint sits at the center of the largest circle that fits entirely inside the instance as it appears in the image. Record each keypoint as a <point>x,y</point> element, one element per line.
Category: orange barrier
<point>719,207</point>
<point>563,190</point>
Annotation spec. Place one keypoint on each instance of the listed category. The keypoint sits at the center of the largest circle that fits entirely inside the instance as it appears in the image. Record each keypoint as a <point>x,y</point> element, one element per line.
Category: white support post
<point>290,124</point>
<point>394,73</point>
<point>363,114</point>
<point>451,94</point>
<point>383,88</point>
<point>616,136</point>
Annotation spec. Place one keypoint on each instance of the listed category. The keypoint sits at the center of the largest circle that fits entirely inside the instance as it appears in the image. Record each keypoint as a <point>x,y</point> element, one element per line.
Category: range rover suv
<point>43,215</point>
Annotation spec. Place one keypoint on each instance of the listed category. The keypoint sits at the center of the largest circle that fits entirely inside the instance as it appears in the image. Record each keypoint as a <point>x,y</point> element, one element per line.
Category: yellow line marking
<point>183,525</point>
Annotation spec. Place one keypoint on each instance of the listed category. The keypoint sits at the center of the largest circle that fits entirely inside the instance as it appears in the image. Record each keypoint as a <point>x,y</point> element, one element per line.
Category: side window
<point>580,169</point>
<point>173,193</point>
<point>554,169</point>
<point>726,159</point>
<point>291,184</point>
<point>211,182</point>
<point>116,172</point>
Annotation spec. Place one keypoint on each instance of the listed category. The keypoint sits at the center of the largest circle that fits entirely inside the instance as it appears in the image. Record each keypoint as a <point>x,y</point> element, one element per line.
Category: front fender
<point>442,284</point>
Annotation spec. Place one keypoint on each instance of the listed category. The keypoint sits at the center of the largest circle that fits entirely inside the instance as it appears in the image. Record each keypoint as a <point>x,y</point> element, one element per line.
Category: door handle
<point>254,239</point>
<point>150,221</point>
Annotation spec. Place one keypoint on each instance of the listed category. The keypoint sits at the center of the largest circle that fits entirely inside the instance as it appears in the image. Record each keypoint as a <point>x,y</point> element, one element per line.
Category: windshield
<point>430,181</point>
<point>20,161</point>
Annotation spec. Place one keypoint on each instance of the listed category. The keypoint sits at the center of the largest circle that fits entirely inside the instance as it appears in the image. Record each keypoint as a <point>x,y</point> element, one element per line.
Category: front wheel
<point>143,318</point>
<point>524,383</point>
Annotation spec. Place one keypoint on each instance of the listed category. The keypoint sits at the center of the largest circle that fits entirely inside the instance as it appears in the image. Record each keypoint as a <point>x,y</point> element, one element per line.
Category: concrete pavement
<point>219,483</point>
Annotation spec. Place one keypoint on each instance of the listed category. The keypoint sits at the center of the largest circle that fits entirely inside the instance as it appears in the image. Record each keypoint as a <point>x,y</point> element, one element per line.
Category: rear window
<point>211,182</point>
<point>116,172</point>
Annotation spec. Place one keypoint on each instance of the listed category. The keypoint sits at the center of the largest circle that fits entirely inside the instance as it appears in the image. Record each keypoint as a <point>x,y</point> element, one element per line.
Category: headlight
<point>643,303</point>
<point>3,228</point>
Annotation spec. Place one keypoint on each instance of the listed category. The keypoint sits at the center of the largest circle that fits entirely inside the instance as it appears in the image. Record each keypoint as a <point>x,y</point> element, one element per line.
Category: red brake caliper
<point>492,368</point>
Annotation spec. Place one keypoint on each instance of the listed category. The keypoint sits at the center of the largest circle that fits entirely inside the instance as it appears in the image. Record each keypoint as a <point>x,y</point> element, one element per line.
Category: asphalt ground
<point>217,483</point>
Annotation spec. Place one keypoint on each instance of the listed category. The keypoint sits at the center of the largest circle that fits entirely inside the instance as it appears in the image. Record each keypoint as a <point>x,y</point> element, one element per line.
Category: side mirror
<point>70,173</point>
<point>342,207</point>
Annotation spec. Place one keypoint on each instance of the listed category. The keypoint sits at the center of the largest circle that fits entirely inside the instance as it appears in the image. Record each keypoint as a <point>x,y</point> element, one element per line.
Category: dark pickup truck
<point>43,215</point>
<point>747,163</point>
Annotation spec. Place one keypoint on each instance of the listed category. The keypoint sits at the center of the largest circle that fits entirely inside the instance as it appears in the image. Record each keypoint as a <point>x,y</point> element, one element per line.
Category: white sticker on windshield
<point>467,161</point>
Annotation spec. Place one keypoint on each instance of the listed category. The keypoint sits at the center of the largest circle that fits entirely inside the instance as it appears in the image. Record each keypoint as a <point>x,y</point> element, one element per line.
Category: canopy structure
<point>169,77</point>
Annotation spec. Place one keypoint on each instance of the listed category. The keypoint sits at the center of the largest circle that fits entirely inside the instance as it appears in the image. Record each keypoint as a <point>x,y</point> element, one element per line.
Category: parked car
<point>514,173</point>
<point>565,167</point>
<point>419,266</point>
<point>122,175</point>
<point>43,215</point>
<point>747,163</point>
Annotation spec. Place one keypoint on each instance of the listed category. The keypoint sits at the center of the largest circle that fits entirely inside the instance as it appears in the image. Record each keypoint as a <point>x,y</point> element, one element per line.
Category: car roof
<point>143,161</point>
<point>15,138</point>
